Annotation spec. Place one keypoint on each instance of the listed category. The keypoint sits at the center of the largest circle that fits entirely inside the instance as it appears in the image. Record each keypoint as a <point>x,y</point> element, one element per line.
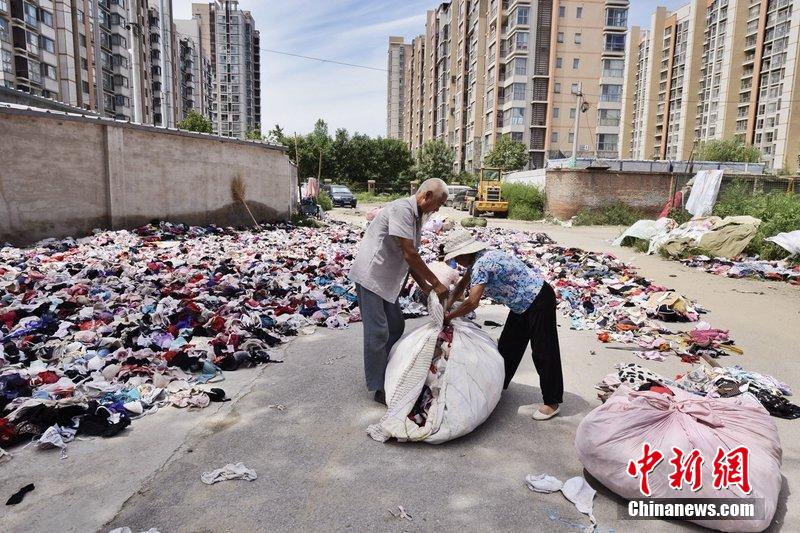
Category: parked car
<point>340,195</point>
<point>462,199</point>
<point>452,192</point>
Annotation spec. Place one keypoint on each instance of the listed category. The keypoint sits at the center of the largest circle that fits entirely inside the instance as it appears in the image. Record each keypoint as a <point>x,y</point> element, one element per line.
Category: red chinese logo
<point>732,468</point>
<point>687,469</point>
<point>645,465</point>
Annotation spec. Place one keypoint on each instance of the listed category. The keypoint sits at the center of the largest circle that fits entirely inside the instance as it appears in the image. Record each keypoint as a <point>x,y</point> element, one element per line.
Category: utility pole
<point>578,111</point>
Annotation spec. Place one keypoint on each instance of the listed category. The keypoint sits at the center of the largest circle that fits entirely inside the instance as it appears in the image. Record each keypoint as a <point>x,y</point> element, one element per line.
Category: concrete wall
<point>63,175</point>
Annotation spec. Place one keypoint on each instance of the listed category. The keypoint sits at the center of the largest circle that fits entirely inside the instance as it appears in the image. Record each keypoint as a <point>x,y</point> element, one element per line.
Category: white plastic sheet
<point>788,241</point>
<point>704,192</point>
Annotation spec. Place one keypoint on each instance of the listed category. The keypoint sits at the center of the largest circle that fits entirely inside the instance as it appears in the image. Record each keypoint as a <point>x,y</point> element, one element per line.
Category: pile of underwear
<point>747,268</point>
<point>702,380</point>
<point>433,382</point>
<point>97,331</point>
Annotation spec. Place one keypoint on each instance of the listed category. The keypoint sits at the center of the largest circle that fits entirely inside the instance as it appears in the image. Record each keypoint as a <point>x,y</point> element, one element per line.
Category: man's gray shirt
<point>380,266</point>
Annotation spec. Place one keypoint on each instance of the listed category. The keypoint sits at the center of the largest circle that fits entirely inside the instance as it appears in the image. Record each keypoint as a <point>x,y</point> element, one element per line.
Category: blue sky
<point>295,91</point>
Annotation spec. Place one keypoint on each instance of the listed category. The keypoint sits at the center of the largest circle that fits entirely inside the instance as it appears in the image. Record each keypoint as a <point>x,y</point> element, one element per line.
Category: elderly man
<point>386,255</point>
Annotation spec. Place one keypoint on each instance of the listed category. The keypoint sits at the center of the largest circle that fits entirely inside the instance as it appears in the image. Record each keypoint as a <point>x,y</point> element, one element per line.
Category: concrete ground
<point>319,470</point>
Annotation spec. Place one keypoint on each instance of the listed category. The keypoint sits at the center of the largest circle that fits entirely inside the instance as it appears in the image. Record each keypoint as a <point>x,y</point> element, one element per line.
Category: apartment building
<point>399,51</point>
<point>413,108</point>
<point>716,69</point>
<point>234,49</point>
<point>514,68</point>
<point>52,49</point>
<point>195,75</point>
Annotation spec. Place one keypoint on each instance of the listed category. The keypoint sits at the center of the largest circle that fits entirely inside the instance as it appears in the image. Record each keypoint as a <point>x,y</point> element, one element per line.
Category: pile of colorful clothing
<point>100,330</point>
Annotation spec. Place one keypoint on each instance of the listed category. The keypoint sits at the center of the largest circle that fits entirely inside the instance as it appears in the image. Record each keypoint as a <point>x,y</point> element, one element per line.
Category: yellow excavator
<point>489,198</point>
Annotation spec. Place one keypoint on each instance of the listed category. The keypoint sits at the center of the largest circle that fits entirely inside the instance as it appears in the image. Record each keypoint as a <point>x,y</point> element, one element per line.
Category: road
<point>318,470</point>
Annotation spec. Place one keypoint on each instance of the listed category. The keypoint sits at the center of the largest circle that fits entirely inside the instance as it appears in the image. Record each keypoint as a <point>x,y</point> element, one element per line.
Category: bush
<point>325,201</point>
<point>778,211</point>
<point>617,214</point>
<point>679,215</point>
<point>524,202</point>
<point>368,198</point>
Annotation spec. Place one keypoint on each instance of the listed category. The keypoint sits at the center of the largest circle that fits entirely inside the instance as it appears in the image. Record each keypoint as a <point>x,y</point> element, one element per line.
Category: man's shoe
<point>380,397</point>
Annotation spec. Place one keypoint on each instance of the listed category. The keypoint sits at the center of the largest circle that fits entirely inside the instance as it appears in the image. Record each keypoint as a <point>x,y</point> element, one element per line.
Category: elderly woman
<point>505,279</point>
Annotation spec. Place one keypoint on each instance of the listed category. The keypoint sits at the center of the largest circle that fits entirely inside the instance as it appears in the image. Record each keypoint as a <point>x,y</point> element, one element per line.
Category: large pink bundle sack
<point>612,436</point>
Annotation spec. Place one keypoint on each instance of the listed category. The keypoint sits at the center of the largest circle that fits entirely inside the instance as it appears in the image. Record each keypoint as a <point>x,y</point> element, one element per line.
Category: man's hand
<point>441,291</point>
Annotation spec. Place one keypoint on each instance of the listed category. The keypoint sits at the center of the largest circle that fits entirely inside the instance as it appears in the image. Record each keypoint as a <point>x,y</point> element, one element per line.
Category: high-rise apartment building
<point>164,99</point>
<point>513,68</point>
<point>234,49</point>
<point>61,50</point>
<point>195,75</point>
<point>716,69</point>
<point>413,108</point>
<point>399,53</point>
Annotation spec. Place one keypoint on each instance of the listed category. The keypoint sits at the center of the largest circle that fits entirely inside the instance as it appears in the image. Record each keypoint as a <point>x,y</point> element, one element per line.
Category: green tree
<point>732,150</point>
<point>434,160</point>
<point>194,121</point>
<point>507,154</point>
<point>254,135</point>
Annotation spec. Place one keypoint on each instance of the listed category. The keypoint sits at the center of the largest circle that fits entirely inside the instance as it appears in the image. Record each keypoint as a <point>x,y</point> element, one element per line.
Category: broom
<point>239,192</point>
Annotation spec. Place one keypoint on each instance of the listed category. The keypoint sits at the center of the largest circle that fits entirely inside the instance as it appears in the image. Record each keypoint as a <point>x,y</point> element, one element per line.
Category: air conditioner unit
<point>583,147</point>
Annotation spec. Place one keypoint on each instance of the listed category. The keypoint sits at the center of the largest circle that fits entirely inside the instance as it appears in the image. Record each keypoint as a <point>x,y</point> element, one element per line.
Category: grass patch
<point>640,245</point>
<point>679,215</point>
<point>369,198</point>
<point>617,214</point>
<point>778,211</point>
<point>524,202</point>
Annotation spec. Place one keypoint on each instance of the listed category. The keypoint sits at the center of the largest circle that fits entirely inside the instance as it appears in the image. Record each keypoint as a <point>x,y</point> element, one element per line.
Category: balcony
<point>613,122</point>
<point>610,97</point>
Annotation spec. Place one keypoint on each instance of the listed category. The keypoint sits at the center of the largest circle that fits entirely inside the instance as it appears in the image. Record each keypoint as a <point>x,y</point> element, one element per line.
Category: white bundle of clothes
<point>441,381</point>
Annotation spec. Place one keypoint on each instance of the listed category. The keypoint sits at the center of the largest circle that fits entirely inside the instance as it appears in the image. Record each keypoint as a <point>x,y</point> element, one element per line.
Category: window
<point>4,30</point>
<point>578,38</point>
<point>118,40</point>
<point>617,17</point>
<point>554,137</point>
<point>572,112</point>
<point>80,15</point>
<point>559,62</point>
<point>34,71</point>
<point>521,42</point>
<point>521,66</point>
<point>4,5</point>
<point>557,88</point>
<point>46,17</point>
<point>517,116</point>
<point>516,136</point>
<point>615,42</point>
<point>31,16</point>
<point>518,91</point>
<point>84,64</point>
<point>120,81</point>
<point>611,93</point>
<point>85,86</point>
<point>117,20</point>
<point>33,42</point>
<point>7,60</point>
<point>83,41</point>
<point>47,44</point>
<point>121,101</point>
<point>579,12</point>
<point>555,112</point>
<point>576,63</point>
<point>571,137</point>
<point>523,14</point>
<point>560,37</point>
<point>574,89</point>
<point>562,11</point>
<point>48,71</point>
